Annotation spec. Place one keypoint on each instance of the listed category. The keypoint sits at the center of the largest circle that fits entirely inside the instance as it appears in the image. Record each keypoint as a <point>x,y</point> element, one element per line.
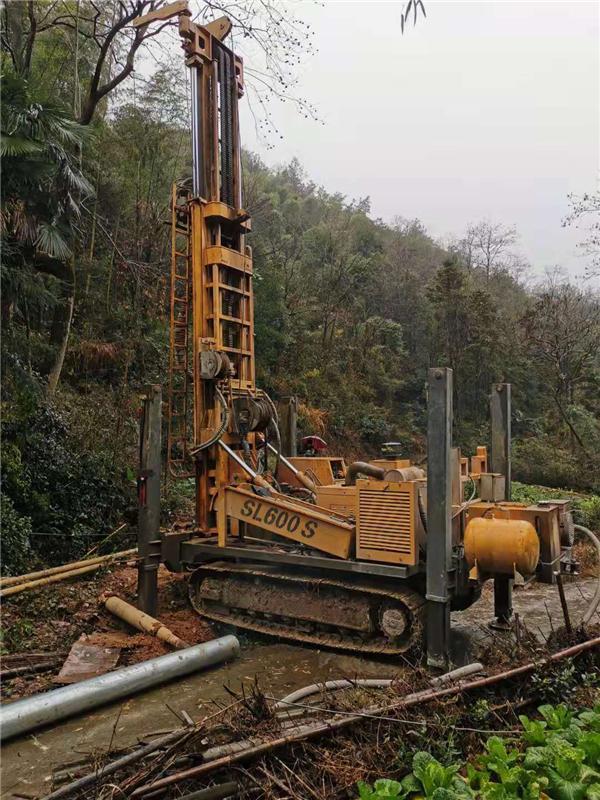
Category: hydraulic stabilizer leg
<point>149,544</point>
<point>500,417</point>
<point>439,515</point>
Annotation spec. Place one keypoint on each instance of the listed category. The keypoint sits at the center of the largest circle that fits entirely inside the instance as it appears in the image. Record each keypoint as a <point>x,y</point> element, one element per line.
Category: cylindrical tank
<point>501,546</point>
<point>404,474</point>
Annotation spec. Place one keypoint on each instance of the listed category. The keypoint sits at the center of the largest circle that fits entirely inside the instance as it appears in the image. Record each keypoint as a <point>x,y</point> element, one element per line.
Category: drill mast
<point>212,327</point>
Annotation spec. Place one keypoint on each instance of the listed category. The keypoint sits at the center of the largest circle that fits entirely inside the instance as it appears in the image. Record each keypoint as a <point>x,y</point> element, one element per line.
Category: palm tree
<point>42,191</point>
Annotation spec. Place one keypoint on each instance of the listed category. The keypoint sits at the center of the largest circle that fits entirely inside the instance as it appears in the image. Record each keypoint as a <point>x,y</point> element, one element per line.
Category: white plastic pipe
<point>42,709</point>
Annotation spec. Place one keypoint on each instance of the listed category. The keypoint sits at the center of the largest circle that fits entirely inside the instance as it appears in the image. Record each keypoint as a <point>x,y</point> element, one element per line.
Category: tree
<point>106,27</point>
<point>42,190</point>
<point>489,247</point>
<point>464,337</point>
<point>585,212</point>
<point>562,331</point>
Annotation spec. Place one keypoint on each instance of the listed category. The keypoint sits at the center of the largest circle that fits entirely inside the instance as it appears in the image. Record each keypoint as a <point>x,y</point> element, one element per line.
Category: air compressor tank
<point>501,547</point>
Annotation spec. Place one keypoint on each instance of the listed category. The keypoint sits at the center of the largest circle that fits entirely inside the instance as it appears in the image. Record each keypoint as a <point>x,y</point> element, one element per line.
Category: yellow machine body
<point>340,499</point>
<point>391,463</point>
<point>386,521</point>
<point>300,522</point>
<point>501,547</point>
<point>323,470</point>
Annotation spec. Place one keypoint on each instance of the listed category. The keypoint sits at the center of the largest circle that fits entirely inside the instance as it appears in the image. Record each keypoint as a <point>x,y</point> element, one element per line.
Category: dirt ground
<point>52,618</point>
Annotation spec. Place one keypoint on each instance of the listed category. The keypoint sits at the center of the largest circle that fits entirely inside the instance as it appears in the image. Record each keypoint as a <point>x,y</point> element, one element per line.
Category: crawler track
<point>321,611</point>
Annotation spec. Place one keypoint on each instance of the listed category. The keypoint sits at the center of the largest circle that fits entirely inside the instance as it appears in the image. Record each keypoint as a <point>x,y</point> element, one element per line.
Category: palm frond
<point>12,146</point>
<point>76,180</point>
<point>65,130</point>
<point>51,241</point>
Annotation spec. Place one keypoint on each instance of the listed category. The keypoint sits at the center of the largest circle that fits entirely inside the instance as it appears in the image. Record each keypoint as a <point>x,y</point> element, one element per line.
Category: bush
<point>62,491</point>
<point>540,461</point>
<point>15,549</point>
<point>586,510</point>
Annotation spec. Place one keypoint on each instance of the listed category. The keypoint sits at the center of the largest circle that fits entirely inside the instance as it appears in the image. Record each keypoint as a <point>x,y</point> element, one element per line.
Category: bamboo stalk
<point>31,576</point>
<point>143,622</point>
<point>61,576</point>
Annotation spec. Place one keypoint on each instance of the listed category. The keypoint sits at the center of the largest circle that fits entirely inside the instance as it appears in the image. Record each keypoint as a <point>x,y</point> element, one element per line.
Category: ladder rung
<point>233,320</point>
<point>237,350</point>
<point>181,300</point>
<point>226,287</point>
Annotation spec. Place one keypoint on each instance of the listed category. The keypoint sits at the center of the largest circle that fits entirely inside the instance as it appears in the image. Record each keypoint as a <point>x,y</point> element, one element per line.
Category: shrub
<point>60,490</point>
<point>15,548</point>
<point>540,461</point>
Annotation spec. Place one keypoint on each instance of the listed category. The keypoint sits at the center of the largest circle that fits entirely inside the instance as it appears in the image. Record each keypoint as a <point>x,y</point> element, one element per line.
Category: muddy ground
<point>51,619</point>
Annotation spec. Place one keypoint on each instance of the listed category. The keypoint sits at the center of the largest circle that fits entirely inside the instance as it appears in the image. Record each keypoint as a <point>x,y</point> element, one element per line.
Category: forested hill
<point>350,313</point>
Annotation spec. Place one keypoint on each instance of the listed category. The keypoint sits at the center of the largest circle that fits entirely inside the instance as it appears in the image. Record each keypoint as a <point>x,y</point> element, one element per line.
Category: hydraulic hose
<point>374,683</point>
<point>344,683</point>
<point>302,476</point>
<point>275,425</point>
<point>596,598</point>
<point>222,427</point>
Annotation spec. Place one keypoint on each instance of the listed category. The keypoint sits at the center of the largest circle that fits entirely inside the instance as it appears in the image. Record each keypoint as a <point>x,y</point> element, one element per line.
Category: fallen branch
<point>217,792</point>
<point>312,730</point>
<point>113,766</point>
<point>29,669</point>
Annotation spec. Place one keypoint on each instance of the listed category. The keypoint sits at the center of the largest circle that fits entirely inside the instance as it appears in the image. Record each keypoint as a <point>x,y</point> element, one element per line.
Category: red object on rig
<point>312,444</point>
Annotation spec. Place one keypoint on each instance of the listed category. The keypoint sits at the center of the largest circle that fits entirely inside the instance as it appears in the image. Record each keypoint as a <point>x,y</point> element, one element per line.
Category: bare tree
<point>585,213</point>
<point>489,246</point>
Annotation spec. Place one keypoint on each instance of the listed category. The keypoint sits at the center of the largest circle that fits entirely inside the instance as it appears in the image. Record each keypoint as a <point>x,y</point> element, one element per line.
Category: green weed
<point>556,756</point>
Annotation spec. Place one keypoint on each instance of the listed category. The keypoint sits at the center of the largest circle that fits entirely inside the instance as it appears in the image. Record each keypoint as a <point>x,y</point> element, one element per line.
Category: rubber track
<point>413,602</point>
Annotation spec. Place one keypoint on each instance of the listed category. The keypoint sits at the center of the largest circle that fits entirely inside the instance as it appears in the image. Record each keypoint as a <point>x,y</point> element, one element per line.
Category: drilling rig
<point>363,557</point>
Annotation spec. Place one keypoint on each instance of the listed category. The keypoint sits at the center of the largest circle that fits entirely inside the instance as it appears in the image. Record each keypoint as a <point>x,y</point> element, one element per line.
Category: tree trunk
<point>63,315</point>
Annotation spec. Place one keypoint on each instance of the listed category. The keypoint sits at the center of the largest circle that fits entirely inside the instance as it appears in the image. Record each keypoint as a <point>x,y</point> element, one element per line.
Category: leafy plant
<point>556,757</point>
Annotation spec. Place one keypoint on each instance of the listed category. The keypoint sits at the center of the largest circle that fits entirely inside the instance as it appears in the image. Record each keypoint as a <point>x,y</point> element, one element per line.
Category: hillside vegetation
<point>350,311</point>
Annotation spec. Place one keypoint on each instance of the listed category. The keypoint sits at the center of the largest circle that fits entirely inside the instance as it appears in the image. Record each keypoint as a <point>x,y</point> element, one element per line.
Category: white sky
<point>486,109</point>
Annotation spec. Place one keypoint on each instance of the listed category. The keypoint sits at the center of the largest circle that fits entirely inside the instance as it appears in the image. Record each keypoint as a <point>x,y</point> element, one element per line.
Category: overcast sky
<point>485,109</point>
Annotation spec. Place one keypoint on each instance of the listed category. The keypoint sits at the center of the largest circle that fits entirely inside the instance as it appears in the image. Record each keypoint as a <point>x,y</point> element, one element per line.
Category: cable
<point>222,427</point>
<point>596,598</point>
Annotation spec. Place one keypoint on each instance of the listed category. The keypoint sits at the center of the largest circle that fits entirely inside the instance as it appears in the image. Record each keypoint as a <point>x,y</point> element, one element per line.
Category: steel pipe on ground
<point>26,715</point>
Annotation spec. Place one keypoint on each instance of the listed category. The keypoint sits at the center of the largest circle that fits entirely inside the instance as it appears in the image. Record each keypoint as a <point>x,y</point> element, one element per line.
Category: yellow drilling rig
<point>363,557</point>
